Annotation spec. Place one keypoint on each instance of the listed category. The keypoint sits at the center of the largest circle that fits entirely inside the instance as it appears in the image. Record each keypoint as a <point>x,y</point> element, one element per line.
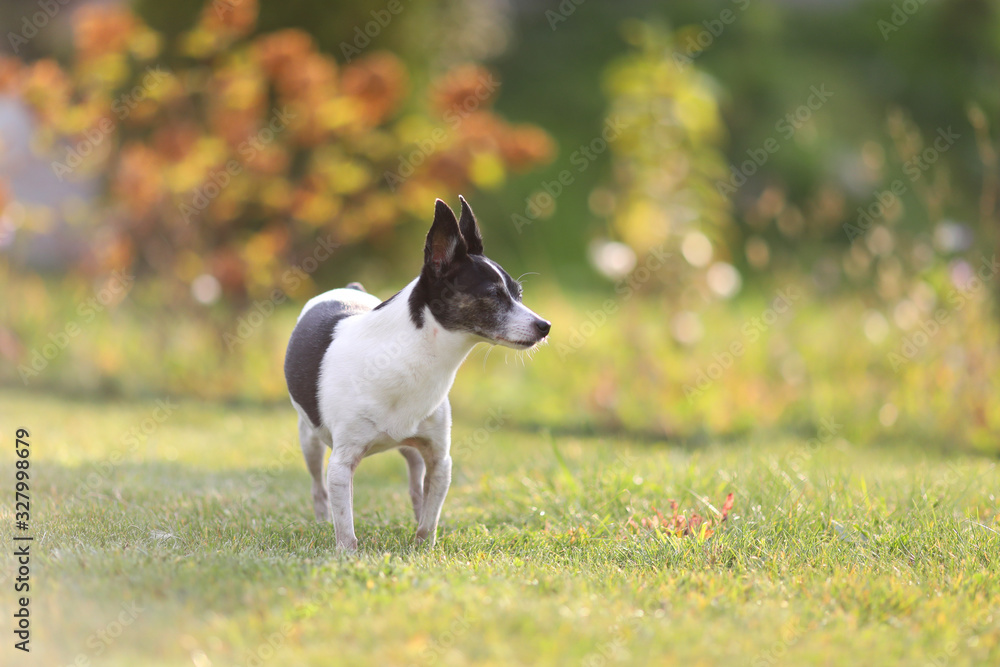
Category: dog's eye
<point>501,292</point>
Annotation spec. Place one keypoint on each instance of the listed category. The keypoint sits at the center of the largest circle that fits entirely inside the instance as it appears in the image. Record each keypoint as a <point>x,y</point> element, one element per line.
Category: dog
<point>366,376</point>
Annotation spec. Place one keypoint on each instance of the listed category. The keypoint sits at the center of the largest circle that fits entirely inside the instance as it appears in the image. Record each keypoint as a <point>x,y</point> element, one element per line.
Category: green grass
<point>834,553</point>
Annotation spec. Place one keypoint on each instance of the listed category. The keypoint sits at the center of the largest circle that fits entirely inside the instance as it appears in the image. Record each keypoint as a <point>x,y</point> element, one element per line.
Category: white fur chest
<point>380,367</point>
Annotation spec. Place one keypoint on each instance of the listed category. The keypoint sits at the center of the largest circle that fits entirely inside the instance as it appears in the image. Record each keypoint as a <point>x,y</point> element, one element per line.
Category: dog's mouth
<point>519,344</point>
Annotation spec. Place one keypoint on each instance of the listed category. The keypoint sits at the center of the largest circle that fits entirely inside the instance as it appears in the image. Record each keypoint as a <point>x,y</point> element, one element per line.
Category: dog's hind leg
<point>313,450</point>
<point>416,466</point>
<point>436,483</point>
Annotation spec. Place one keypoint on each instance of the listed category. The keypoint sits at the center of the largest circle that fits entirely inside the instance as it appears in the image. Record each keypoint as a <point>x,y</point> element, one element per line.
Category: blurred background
<point>739,215</point>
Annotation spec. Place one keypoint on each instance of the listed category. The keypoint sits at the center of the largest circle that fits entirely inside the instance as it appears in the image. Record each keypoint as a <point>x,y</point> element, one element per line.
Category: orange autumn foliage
<point>233,162</point>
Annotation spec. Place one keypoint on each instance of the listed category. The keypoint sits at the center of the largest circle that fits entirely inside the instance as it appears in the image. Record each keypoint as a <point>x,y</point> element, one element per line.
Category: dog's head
<point>467,292</point>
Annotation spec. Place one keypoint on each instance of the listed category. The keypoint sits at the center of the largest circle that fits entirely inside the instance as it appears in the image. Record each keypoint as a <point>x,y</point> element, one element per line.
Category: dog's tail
<point>357,286</point>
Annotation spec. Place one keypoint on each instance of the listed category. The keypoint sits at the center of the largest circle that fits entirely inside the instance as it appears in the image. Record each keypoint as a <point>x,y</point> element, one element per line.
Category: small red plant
<point>678,525</point>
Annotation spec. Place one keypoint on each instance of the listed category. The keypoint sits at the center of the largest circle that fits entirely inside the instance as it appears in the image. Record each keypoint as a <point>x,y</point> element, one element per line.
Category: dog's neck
<point>430,353</point>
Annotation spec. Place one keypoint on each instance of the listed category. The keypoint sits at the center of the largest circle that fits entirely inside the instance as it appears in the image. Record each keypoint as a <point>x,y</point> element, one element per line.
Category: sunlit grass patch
<point>207,527</point>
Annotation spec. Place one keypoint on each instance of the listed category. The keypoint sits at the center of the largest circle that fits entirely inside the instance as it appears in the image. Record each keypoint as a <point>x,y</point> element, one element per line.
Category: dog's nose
<point>543,327</point>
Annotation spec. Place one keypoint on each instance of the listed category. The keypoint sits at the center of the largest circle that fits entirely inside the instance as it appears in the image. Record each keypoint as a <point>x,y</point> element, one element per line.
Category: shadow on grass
<point>167,522</point>
<point>173,504</point>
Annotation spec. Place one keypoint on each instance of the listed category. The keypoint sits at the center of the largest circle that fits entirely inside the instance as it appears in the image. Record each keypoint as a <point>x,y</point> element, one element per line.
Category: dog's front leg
<point>340,488</point>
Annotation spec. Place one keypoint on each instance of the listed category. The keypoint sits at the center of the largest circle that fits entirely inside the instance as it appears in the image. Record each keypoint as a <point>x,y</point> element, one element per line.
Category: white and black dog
<point>366,376</point>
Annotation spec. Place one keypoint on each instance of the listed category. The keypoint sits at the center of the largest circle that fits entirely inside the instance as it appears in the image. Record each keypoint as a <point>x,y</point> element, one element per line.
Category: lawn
<point>181,533</point>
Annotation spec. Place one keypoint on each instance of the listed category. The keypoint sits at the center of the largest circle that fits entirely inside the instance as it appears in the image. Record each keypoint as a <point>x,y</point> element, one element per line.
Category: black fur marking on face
<point>306,348</point>
<point>473,296</point>
<point>513,286</point>
<point>463,289</point>
<point>419,297</point>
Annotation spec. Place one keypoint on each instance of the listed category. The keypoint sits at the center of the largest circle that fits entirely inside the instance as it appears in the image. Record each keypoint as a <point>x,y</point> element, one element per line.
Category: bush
<point>224,160</point>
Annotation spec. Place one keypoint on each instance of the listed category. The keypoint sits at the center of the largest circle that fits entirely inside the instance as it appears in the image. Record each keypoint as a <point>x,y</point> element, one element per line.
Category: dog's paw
<point>347,546</point>
<point>424,537</point>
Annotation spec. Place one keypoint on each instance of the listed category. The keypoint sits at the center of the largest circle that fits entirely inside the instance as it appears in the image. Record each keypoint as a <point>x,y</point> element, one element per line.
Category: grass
<point>834,553</point>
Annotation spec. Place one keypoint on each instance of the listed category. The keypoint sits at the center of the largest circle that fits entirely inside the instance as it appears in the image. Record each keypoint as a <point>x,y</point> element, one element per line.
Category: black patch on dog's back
<point>310,339</point>
<point>386,302</point>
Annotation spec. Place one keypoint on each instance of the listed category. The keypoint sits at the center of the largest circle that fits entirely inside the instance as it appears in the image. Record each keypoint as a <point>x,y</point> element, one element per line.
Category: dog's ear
<point>444,241</point>
<point>470,228</point>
